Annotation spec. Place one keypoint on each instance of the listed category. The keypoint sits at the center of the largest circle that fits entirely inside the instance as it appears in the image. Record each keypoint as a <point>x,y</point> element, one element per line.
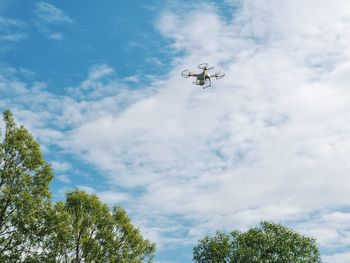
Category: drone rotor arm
<point>218,75</point>
<point>186,73</point>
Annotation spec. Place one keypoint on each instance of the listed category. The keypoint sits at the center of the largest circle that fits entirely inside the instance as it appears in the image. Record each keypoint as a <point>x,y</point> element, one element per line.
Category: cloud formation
<point>49,19</point>
<point>11,30</point>
<point>269,141</point>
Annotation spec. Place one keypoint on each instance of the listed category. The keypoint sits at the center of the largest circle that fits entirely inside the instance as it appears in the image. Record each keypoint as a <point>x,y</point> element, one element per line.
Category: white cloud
<point>133,78</point>
<point>56,36</point>
<point>329,228</point>
<point>50,14</point>
<point>63,178</point>
<point>337,258</point>
<point>49,18</point>
<point>6,22</point>
<point>11,30</point>
<point>61,167</point>
<point>111,197</point>
<point>13,37</point>
<point>269,141</point>
<point>96,73</point>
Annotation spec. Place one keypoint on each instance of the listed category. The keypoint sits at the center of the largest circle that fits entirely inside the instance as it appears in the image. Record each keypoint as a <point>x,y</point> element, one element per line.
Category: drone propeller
<point>186,73</point>
<point>219,75</point>
<point>205,66</point>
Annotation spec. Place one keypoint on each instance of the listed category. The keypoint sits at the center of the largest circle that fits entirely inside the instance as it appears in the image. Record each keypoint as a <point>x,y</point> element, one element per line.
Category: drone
<point>203,79</point>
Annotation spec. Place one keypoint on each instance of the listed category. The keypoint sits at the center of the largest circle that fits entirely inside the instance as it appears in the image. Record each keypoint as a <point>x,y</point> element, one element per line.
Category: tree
<point>33,230</point>
<point>269,242</point>
<point>219,248</point>
<point>24,194</point>
<point>85,230</point>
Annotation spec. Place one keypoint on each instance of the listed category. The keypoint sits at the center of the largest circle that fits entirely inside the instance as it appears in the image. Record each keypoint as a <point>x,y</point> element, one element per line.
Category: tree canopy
<point>268,242</point>
<point>87,231</point>
<point>24,193</point>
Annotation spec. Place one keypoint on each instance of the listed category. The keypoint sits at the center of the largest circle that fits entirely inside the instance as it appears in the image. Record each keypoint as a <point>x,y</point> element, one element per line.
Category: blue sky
<point>99,86</point>
<point>120,34</point>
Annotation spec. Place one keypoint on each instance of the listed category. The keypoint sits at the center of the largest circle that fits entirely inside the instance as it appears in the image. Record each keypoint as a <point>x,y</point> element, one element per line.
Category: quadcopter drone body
<point>203,79</point>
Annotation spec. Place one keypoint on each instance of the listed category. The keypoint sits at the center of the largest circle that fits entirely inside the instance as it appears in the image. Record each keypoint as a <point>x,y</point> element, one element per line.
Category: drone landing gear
<point>204,85</point>
<point>207,85</point>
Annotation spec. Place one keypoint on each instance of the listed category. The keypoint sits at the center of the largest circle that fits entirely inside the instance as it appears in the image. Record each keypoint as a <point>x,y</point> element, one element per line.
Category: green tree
<point>268,242</point>
<point>33,230</point>
<point>24,194</point>
<point>85,230</point>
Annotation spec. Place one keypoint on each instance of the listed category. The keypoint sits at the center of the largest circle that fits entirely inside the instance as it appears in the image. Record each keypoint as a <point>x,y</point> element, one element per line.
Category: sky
<point>98,84</point>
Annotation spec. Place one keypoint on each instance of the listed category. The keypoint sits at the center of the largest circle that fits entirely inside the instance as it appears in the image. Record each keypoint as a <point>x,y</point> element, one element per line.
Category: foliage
<point>87,231</point>
<point>219,248</point>
<point>24,194</point>
<point>33,230</point>
<point>269,242</point>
